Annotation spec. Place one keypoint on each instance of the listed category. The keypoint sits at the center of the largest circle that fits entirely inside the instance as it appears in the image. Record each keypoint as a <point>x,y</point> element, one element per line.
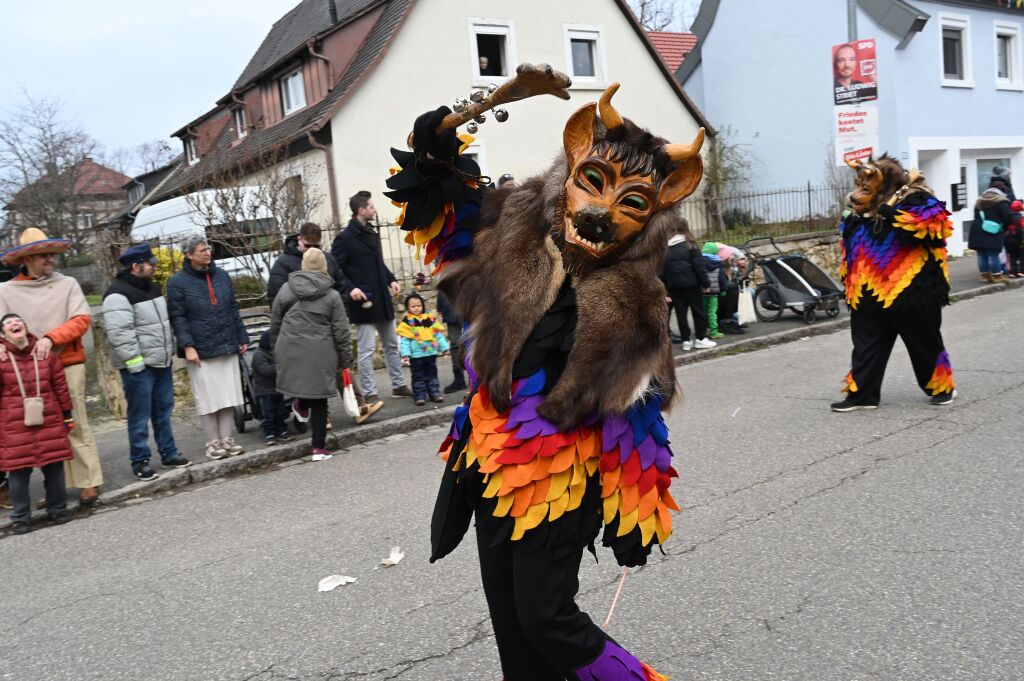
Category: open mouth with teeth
<point>597,248</point>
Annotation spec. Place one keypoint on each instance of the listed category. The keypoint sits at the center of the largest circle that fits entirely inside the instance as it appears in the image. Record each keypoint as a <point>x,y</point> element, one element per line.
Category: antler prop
<point>529,81</point>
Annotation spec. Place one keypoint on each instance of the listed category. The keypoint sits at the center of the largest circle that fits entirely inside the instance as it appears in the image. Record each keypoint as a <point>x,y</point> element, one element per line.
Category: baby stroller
<point>793,282</point>
<point>256,321</point>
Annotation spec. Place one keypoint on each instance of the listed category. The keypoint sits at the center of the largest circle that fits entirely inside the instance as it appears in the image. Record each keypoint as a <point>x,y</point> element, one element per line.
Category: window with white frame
<point>293,92</point>
<point>241,130</point>
<point>191,150</point>
<point>85,220</point>
<point>492,49</point>
<point>584,54</point>
<point>1008,56</point>
<point>956,50</point>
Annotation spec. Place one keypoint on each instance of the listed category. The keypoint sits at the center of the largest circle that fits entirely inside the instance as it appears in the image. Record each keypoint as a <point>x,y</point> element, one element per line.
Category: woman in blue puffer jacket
<point>210,336</point>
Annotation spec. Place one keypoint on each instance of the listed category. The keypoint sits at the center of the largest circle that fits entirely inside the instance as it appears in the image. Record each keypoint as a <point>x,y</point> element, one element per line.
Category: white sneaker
<point>232,448</point>
<point>704,344</point>
<point>215,450</point>
<point>687,345</point>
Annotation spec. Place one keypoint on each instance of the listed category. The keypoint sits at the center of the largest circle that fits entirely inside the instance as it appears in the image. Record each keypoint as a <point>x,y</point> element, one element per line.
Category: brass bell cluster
<point>479,97</point>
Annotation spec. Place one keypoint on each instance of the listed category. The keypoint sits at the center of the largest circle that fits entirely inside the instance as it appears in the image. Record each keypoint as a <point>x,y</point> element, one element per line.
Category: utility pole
<point>851,20</point>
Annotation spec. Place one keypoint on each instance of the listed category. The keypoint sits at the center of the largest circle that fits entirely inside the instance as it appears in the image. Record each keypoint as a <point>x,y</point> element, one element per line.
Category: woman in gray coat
<point>309,330</point>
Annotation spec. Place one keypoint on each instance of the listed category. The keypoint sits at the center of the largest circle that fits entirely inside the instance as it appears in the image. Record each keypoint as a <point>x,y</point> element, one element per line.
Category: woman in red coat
<point>44,446</point>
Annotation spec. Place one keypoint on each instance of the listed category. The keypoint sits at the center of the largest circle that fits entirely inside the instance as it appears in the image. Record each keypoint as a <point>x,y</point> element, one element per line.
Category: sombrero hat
<point>33,241</point>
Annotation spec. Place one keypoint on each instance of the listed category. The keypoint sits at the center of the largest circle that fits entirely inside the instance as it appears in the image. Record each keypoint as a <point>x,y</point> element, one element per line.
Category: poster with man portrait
<point>854,72</point>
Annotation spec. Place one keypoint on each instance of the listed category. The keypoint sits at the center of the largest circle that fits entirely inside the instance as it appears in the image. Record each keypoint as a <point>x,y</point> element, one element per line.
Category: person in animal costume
<point>894,267</point>
<point>569,361</point>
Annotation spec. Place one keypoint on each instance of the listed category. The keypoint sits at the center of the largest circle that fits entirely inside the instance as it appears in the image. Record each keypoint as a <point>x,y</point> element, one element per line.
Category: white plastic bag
<point>745,307</point>
<point>348,394</point>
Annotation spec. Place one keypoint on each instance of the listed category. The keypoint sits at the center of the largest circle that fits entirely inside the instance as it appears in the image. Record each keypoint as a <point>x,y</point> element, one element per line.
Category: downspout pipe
<point>311,45</point>
<point>331,189</point>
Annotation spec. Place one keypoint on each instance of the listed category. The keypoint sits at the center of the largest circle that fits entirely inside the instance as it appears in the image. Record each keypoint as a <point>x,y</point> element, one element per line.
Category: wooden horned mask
<point>619,177</point>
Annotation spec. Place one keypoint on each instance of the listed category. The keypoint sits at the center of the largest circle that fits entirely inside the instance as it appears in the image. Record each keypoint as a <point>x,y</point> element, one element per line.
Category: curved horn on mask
<point>681,152</point>
<point>609,116</point>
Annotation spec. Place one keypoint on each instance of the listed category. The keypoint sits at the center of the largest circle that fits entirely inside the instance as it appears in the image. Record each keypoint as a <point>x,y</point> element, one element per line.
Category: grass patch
<point>94,299</point>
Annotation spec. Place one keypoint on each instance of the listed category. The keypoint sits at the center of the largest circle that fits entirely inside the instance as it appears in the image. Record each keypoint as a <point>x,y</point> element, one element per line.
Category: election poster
<point>854,72</point>
<point>856,132</point>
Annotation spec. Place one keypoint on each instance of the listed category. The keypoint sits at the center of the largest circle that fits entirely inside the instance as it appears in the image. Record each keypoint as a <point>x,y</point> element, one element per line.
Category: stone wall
<point>89,277</point>
<point>821,248</point>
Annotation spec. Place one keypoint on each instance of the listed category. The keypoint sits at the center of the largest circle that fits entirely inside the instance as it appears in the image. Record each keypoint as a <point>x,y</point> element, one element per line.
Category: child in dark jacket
<point>274,407</point>
<point>421,339</point>
<point>43,444</point>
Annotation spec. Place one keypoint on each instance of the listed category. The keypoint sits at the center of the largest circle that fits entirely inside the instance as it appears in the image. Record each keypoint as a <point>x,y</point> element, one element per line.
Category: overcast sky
<point>130,71</point>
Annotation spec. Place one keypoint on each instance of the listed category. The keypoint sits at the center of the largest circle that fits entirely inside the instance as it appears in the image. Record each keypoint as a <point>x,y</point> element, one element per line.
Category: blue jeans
<point>150,395</point>
<point>275,410</point>
<point>988,261</point>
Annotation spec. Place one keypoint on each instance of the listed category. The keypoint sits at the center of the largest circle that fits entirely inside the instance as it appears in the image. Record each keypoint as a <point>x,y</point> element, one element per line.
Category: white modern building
<point>950,86</point>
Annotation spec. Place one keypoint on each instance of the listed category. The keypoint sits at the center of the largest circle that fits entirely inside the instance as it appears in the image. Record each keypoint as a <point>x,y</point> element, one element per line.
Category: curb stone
<point>391,430</point>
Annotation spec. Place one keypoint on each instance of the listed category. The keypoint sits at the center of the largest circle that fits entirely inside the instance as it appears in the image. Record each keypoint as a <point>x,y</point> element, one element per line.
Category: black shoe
<point>455,387</point>
<point>269,440</point>
<point>943,398</point>
<point>60,518</point>
<point>21,528</point>
<point>143,472</point>
<point>176,462</point>
<point>285,437</point>
<point>848,405</point>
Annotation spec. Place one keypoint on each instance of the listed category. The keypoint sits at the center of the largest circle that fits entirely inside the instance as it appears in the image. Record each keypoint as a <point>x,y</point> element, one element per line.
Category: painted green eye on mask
<point>595,178</point>
<point>635,202</point>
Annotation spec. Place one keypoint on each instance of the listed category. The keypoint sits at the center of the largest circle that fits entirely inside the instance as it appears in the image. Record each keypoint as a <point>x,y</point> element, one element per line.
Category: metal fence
<point>740,216</point>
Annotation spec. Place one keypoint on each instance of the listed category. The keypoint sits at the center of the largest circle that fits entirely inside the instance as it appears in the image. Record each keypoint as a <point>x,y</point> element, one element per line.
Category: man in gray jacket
<point>142,348</point>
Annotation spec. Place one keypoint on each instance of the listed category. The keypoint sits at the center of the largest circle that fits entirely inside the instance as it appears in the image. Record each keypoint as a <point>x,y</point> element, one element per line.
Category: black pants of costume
<point>540,631</point>
<point>875,333</point>
<point>692,299</point>
<point>53,483</point>
<point>424,377</point>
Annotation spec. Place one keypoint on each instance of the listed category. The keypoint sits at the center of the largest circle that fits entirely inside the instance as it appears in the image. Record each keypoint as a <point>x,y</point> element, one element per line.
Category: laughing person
<point>26,444</point>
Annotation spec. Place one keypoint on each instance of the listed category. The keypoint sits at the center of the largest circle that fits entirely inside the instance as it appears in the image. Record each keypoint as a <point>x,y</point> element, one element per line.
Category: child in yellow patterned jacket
<point>421,339</point>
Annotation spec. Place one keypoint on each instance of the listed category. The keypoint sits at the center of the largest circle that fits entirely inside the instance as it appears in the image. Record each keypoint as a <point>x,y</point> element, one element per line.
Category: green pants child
<point>711,309</point>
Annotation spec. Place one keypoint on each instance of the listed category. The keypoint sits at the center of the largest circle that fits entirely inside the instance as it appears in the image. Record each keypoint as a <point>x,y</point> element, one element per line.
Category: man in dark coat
<point>290,260</point>
<point>369,286</point>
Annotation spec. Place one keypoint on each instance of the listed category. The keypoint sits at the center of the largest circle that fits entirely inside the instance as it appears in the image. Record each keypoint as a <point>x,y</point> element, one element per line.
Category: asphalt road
<point>812,545</point>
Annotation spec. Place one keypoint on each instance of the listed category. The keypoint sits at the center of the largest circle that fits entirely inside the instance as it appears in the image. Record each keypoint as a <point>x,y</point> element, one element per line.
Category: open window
<point>191,150</point>
<point>584,55</point>
<point>492,48</point>
<point>293,91</point>
<point>1008,56</point>
<point>956,50</point>
<point>241,125</point>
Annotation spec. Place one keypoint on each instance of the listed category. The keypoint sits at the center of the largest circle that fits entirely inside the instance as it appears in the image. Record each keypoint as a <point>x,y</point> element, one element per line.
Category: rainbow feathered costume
<point>897,258</point>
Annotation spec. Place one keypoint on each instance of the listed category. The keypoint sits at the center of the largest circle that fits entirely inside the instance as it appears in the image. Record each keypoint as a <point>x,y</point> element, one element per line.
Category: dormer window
<point>241,129</point>
<point>293,91</point>
<point>136,193</point>
<point>191,150</point>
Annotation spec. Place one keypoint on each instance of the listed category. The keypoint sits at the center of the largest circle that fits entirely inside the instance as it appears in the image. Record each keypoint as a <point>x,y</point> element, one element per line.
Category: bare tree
<point>43,177</point>
<point>248,211</point>
<point>654,15</point>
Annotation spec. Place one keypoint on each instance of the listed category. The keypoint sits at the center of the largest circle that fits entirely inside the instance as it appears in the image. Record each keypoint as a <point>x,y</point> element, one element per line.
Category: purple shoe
<point>616,664</point>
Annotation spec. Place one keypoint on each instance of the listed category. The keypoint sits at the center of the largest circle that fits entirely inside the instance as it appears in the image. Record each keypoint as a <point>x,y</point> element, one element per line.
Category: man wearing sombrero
<point>55,310</point>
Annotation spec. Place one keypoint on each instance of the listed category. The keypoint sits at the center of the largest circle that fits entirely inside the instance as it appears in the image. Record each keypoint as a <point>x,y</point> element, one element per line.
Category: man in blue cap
<point>142,348</point>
